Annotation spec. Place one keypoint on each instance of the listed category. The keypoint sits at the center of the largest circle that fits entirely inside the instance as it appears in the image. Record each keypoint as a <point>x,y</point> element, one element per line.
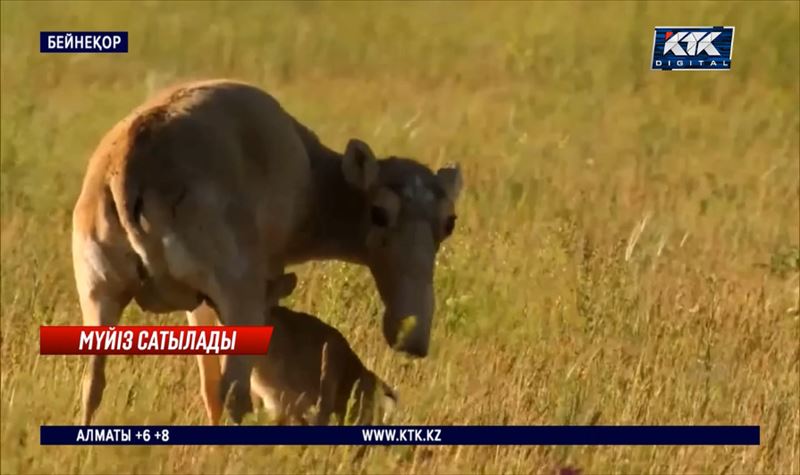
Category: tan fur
<point>310,363</point>
<point>209,189</point>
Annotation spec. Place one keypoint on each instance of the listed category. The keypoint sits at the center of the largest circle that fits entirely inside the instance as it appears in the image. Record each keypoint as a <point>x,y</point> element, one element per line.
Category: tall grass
<point>627,249</point>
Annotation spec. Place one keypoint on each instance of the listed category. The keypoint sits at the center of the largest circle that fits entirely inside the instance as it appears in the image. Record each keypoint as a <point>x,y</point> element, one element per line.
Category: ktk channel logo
<point>692,48</point>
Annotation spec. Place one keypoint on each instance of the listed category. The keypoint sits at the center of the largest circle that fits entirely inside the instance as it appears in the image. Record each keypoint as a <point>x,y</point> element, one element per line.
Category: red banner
<point>153,340</point>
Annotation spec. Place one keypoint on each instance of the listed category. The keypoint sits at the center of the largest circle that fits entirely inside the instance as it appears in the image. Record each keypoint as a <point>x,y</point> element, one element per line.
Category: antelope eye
<point>449,225</point>
<point>379,216</point>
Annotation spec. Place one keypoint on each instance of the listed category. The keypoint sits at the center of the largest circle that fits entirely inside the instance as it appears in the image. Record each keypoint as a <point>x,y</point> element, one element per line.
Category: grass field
<point>627,249</point>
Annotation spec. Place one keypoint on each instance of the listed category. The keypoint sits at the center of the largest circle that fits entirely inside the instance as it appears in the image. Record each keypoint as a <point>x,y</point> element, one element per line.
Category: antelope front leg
<point>209,365</point>
<point>242,305</point>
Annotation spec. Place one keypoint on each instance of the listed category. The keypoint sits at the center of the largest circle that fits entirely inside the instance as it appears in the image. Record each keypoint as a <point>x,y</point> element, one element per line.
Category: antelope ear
<point>451,181</point>
<point>359,165</point>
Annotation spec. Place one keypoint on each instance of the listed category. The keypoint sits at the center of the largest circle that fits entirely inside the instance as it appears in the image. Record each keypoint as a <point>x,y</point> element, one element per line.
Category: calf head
<point>281,287</point>
<point>410,210</point>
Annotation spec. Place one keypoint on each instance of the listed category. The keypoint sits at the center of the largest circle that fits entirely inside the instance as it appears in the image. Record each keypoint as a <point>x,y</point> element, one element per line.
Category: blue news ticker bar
<point>400,435</point>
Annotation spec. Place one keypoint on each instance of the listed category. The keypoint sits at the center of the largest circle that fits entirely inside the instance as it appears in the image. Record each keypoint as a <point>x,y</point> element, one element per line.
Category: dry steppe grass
<point>626,253</point>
